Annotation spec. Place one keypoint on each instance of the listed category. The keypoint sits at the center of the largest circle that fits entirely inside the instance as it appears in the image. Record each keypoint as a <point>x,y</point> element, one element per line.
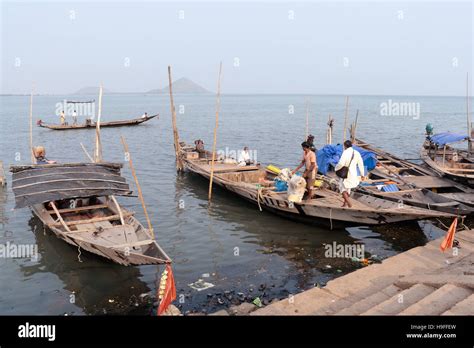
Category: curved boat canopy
<point>442,139</point>
<point>41,183</point>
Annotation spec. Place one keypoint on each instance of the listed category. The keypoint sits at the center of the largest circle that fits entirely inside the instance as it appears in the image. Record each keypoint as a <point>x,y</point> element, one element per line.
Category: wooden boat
<point>325,208</point>
<point>447,161</point>
<point>92,125</point>
<point>393,168</point>
<point>77,202</point>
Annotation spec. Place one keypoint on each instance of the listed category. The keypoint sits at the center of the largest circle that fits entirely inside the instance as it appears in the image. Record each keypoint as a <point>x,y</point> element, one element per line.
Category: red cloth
<point>449,239</point>
<point>170,291</point>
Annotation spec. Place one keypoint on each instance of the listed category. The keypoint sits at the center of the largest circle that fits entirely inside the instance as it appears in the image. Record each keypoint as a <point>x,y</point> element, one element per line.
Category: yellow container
<point>318,183</point>
<point>273,169</point>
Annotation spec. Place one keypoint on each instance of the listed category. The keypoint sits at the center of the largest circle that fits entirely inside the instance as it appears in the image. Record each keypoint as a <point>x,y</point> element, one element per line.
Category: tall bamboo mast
<point>468,115</point>
<point>179,162</point>
<point>98,144</point>
<point>218,101</point>
<point>32,152</point>
<point>139,189</point>
<point>345,119</point>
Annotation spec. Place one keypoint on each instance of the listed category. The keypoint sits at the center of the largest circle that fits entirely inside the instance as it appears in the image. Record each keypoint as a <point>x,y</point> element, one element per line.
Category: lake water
<point>232,245</point>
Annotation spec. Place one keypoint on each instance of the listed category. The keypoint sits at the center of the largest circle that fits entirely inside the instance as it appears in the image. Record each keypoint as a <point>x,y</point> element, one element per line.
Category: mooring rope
<point>259,195</point>
<point>79,255</point>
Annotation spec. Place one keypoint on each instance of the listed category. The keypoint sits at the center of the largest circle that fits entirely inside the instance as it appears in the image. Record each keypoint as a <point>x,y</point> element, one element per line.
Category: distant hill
<point>92,90</point>
<point>182,86</point>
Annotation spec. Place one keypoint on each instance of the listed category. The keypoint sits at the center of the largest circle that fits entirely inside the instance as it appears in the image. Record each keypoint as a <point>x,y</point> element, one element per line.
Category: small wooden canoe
<point>92,125</point>
<point>77,202</point>
<point>405,172</point>
<point>325,208</point>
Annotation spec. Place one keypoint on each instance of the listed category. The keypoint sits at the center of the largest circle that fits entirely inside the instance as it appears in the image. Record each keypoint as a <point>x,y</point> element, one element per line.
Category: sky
<point>379,48</point>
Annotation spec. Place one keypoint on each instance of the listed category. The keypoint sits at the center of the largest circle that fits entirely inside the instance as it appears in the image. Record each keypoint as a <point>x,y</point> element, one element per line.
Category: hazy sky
<point>406,48</point>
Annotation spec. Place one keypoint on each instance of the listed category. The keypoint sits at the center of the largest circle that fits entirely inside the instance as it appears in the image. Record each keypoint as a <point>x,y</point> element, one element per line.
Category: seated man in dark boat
<point>200,148</point>
<point>40,155</point>
<point>244,157</point>
<point>145,115</point>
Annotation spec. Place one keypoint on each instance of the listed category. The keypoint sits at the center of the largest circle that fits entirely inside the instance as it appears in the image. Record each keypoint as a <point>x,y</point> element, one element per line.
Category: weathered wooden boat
<point>403,172</point>
<point>448,161</point>
<point>77,202</point>
<point>325,208</point>
<point>92,124</point>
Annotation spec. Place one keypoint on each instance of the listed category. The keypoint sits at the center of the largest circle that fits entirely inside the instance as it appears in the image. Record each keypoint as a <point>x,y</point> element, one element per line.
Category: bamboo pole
<point>98,144</point>
<point>354,126</point>
<point>140,195</point>
<point>345,119</point>
<point>215,132</point>
<point>87,153</point>
<point>307,120</point>
<point>177,147</point>
<point>468,115</point>
<point>33,157</point>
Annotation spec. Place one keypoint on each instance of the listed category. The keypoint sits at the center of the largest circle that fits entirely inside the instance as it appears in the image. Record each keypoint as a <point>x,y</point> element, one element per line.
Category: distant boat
<point>92,125</point>
<point>446,160</point>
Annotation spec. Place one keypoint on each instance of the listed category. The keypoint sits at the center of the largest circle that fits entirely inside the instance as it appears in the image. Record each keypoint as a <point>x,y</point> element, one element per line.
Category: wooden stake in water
<point>345,119</point>
<point>140,195</point>
<point>468,115</point>
<point>179,162</point>
<point>98,144</point>
<point>215,132</point>
<point>33,157</point>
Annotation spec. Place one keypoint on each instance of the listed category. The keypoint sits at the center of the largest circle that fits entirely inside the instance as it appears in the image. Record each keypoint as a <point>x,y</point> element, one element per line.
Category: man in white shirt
<point>74,117</point>
<point>352,159</point>
<point>244,157</point>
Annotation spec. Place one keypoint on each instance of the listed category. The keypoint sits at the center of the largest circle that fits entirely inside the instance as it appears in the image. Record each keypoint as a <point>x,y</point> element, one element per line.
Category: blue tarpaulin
<point>328,157</point>
<point>442,139</point>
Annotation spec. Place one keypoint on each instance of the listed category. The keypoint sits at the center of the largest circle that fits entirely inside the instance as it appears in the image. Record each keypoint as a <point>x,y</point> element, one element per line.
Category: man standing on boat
<point>309,161</point>
<point>74,117</point>
<point>352,160</point>
<point>62,118</point>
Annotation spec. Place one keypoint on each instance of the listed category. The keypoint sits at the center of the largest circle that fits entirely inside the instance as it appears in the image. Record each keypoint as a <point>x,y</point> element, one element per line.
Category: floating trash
<point>201,285</point>
<point>257,302</point>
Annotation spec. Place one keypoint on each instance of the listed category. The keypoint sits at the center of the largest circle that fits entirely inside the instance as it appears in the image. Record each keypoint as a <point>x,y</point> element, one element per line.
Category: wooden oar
<point>140,195</point>
<point>215,132</point>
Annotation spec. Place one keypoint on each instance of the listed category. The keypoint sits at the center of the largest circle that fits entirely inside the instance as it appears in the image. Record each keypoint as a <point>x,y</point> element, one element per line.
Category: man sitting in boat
<point>243,158</point>
<point>62,118</point>
<point>352,159</point>
<point>40,155</point>
<point>309,161</point>
<point>200,148</point>
<point>145,115</point>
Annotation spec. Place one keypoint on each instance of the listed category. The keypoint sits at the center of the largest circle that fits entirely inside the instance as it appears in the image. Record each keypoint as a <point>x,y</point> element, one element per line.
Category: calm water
<point>232,245</point>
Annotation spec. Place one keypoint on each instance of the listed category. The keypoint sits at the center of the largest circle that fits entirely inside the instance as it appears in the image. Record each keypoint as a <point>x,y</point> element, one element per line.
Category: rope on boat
<point>79,255</point>
<point>259,195</point>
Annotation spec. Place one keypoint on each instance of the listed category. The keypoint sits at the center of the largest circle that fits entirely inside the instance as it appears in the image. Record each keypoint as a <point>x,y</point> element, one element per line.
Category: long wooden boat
<point>448,161</point>
<point>92,125</point>
<point>403,172</point>
<point>325,208</point>
<point>77,202</point>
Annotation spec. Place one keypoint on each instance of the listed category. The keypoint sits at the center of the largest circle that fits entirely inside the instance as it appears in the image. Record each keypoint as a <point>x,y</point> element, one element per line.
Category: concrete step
<point>347,301</point>
<point>401,301</point>
<point>370,301</point>
<point>465,307</point>
<point>438,301</point>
